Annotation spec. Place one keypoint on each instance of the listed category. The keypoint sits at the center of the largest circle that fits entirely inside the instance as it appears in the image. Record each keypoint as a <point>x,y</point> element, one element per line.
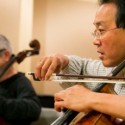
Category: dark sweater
<point>19,104</point>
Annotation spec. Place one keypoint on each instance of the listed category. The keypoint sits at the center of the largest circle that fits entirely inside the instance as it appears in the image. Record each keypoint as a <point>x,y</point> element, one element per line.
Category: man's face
<point>3,57</point>
<point>111,43</point>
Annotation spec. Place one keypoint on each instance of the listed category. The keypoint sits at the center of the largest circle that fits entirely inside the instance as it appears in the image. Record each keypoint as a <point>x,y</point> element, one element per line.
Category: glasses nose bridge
<point>96,41</point>
<point>97,34</point>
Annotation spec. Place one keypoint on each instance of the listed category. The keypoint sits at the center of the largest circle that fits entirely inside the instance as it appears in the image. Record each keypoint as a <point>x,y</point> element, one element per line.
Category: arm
<point>78,65</point>
<point>84,66</point>
<point>70,65</point>
<point>81,99</point>
<point>49,65</point>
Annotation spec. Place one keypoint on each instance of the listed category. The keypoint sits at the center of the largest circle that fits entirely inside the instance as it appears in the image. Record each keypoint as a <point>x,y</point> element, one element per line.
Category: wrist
<point>63,61</point>
<point>93,100</point>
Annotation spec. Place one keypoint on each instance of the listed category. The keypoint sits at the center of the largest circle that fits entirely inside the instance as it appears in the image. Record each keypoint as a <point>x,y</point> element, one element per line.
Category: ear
<point>7,55</point>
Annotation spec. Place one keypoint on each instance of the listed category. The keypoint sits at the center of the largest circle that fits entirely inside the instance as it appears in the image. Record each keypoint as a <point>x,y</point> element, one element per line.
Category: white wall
<point>69,27</point>
<point>63,26</point>
<point>9,20</point>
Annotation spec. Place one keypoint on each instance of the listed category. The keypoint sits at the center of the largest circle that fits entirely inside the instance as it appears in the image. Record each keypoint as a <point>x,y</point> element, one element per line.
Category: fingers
<point>38,69</point>
<point>73,98</point>
<point>58,106</point>
<point>59,101</point>
<point>54,66</point>
<point>46,67</point>
<point>49,65</point>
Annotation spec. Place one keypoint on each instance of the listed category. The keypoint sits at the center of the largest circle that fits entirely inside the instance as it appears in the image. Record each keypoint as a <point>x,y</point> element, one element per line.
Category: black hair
<point>120,16</point>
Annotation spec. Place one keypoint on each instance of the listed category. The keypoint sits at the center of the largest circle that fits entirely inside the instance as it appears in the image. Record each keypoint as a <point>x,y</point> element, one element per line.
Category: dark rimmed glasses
<point>1,50</point>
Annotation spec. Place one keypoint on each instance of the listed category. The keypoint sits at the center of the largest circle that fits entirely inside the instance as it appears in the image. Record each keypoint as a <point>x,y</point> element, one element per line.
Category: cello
<point>70,117</point>
<point>34,44</point>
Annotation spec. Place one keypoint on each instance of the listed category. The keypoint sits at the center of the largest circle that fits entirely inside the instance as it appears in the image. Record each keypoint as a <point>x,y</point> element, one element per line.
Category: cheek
<point>113,49</point>
<point>2,62</point>
<point>110,47</point>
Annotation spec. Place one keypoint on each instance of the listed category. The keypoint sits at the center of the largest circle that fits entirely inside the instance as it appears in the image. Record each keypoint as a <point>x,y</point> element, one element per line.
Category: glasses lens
<point>1,50</point>
<point>96,34</point>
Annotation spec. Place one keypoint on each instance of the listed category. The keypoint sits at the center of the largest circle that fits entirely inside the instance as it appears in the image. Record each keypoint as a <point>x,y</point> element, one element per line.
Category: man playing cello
<point>109,38</point>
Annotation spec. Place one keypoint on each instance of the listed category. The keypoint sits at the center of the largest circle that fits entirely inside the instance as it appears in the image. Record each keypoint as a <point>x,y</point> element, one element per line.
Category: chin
<point>108,63</point>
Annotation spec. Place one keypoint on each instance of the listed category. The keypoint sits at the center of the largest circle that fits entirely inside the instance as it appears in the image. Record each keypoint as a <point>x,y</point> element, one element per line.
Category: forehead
<point>106,15</point>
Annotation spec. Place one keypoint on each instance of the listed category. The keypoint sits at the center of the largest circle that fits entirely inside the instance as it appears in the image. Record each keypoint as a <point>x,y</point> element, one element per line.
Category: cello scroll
<point>21,56</point>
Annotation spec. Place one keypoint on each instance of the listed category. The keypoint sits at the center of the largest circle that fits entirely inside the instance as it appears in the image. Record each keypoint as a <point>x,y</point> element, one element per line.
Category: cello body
<point>94,117</point>
<point>70,117</point>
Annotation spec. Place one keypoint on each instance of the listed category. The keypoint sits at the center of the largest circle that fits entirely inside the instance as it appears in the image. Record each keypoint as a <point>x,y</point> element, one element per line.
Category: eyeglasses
<point>99,33</point>
<point>1,50</point>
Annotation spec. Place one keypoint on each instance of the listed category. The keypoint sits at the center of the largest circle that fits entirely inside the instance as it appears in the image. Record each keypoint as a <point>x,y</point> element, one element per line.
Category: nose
<point>96,42</point>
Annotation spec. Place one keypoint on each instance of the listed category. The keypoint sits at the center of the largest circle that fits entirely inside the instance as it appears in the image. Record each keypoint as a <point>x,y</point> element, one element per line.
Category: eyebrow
<point>2,50</point>
<point>98,23</point>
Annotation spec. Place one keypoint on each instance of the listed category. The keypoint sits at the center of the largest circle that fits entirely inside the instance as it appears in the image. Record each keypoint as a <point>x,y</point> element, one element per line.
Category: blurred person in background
<point>19,104</point>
